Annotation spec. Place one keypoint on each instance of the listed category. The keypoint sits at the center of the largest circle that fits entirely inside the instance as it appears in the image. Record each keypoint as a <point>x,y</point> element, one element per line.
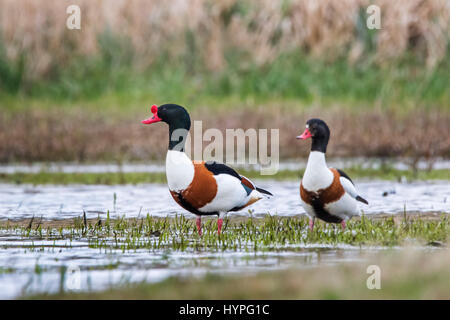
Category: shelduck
<point>202,188</point>
<point>326,193</point>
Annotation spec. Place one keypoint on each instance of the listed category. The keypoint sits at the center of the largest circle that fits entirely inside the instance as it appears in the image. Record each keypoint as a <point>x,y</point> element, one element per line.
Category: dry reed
<point>79,135</point>
<point>261,28</point>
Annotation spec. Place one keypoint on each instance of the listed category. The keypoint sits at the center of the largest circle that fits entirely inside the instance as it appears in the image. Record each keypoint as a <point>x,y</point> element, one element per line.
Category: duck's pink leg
<point>343,224</point>
<point>220,222</point>
<point>199,225</point>
<point>311,224</point>
<point>219,225</point>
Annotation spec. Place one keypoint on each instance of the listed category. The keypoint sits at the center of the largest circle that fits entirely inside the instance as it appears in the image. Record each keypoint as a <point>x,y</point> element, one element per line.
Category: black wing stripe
<point>343,174</point>
<point>219,168</point>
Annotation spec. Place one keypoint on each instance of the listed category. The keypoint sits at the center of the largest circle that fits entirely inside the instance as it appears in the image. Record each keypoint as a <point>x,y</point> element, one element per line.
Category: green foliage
<point>11,72</point>
<point>292,75</point>
<point>83,178</point>
<point>239,234</point>
<point>110,178</point>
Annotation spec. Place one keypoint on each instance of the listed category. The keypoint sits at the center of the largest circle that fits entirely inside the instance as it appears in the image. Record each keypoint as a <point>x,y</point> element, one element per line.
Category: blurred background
<point>79,95</point>
<point>82,181</point>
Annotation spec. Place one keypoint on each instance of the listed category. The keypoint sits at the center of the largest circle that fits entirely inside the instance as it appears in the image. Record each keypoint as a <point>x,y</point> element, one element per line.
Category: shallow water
<point>62,202</point>
<point>88,269</point>
<point>29,265</point>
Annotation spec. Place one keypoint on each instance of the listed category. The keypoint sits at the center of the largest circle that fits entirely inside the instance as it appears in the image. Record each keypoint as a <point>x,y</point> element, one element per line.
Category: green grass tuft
<point>291,76</point>
<point>239,234</point>
<point>113,178</point>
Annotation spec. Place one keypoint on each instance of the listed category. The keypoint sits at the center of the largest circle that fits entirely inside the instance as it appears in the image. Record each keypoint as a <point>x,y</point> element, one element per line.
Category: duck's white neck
<point>317,175</point>
<point>179,170</point>
<point>316,161</point>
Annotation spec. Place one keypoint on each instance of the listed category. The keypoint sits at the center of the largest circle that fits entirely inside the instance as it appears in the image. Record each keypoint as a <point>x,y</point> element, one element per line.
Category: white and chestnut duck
<point>203,188</point>
<point>326,193</point>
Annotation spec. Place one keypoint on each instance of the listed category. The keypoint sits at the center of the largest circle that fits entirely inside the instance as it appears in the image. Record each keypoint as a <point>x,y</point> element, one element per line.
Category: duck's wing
<point>219,168</point>
<point>349,187</point>
<point>247,182</point>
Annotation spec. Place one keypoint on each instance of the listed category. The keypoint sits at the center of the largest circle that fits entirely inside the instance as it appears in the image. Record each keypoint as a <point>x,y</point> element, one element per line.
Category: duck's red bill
<point>305,135</point>
<point>155,117</point>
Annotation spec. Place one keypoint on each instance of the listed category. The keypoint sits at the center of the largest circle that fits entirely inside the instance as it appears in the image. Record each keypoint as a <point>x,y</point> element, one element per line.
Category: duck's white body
<point>344,208</point>
<point>230,193</point>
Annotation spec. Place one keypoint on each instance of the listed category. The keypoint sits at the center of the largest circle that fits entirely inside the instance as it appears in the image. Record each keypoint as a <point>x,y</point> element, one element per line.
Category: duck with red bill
<point>202,188</point>
<point>326,193</point>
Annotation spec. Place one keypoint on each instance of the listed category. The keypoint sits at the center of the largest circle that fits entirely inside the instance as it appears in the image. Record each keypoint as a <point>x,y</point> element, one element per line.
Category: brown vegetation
<point>81,135</point>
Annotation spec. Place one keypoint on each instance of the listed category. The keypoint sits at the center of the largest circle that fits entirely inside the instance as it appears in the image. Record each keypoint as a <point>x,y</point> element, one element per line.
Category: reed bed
<point>197,51</point>
<point>37,45</point>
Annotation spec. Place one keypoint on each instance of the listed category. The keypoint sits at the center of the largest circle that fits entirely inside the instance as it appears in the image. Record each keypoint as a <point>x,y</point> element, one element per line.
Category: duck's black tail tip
<point>264,191</point>
<point>361,199</point>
